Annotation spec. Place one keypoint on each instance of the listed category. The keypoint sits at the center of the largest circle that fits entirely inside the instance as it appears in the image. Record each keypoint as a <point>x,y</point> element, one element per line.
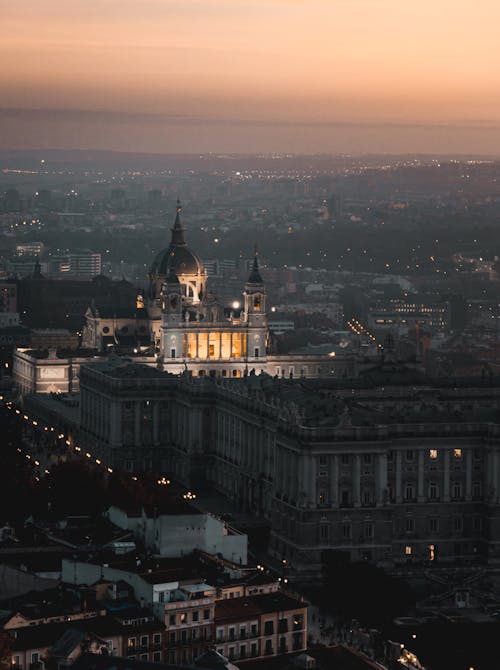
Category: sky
<point>196,76</point>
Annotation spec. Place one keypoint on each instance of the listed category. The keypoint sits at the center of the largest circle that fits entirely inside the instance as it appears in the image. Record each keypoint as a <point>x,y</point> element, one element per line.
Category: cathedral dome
<point>177,258</point>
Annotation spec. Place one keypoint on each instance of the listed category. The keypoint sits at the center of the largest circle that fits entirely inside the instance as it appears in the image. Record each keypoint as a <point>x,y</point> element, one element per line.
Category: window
<point>346,530</point>
<point>457,453</point>
<point>269,647</point>
<point>243,651</point>
<point>231,653</point>
<point>367,497</point>
<point>433,454</point>
<point>35,657</point>
<point>322,498</point>
<point>408,550</point>
<point>232,633</point>
<point>476,489</point>
<point>172,619</point>
<point>324,531</point>
<point>409,454</point>
<point>243,632</point>
<point>433,490</point>
<point>256,352</point>
<point>368,530</point>
<point>220,634</point>
<point>323,460</point>
<point>144,640</point>
<point>432,552</point>
<point>144,657</point>
<point>195,615</point>
<point>253,630</point>
<point>157,657</point>
<point>172,353</point>
<point>268,627</point>
<point>457,490</point>
<point>457,524</point>
<point>345,497</point>
<point>157,639</point>
<point>345,459</point>
<point>367,459</point>
<point>409,525</point>
<point>171,638</point>
<point>477,523</point>
<point>409,493</point>
<point>433,525</point>
<point>183,617</point>
<point>253,649</point>
<point>131,643</point>
<point>206,614</point>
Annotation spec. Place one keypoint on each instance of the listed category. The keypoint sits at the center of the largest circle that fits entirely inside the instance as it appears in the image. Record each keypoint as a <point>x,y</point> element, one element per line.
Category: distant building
<point>179,529</point>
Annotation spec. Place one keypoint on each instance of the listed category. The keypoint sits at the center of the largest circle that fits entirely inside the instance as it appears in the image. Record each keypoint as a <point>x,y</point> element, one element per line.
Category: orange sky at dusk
<point>251,75</point>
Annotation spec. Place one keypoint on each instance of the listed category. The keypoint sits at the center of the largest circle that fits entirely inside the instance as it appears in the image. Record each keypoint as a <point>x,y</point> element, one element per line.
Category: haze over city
<point>241,76</point>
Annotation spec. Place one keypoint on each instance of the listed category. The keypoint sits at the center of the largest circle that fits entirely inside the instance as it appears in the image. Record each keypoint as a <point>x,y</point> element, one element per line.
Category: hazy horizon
<point>241,76</point>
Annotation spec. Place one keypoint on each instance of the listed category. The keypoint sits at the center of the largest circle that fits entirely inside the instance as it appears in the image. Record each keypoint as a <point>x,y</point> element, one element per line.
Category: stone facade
<point>391,474</point>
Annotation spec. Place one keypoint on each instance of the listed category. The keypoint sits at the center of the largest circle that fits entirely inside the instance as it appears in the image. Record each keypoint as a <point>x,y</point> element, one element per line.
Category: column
<point>468,474</point>
<point>334,494</point>
<point>308,480</point>
<point>231,344</point>
<point>398,482</point>
<point>197,346</point>
<point>381,479</point>
<point>356,484</point>
<point>446,480</point>
<point>420,481</point>
<point>220,344</point>
<point>156,422</point>
<point>137,424</point>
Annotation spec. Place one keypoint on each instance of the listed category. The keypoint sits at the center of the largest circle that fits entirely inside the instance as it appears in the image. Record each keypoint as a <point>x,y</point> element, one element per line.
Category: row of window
<point>245,651</point>
<point>180,618</point>
<point>143,641</point>
<point>367,496</point>
<point>296,622</point>
<point>409,526</point>
<point>433,454</point>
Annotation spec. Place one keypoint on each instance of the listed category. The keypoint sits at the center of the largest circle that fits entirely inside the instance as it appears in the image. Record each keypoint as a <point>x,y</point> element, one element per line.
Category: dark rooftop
<point>250,606</point>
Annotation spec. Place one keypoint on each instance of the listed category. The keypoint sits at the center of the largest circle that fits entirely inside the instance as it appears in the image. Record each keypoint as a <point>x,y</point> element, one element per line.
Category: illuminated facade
<point>196,329</point>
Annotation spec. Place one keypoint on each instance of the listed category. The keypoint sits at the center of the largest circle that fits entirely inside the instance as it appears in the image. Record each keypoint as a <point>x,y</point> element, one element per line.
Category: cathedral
<point>177,325</point>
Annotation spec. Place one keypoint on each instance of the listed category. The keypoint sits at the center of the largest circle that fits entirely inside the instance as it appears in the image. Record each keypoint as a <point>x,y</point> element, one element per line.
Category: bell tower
<point>171,326</point>
<point>255,312</point>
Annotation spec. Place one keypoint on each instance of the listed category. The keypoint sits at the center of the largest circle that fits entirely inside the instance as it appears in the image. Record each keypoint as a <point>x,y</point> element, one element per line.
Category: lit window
<point>433,454</point>
<point>183,617</point>
<point>432,552</point>
<point>457,453</point>
<point>408,550</point>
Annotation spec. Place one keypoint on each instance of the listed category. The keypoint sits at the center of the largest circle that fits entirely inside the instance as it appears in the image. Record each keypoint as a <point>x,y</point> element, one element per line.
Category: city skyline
<point>360,76</point>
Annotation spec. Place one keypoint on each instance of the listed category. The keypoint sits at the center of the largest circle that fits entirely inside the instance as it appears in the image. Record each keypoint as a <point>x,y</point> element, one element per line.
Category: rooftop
<point>253,606</point>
